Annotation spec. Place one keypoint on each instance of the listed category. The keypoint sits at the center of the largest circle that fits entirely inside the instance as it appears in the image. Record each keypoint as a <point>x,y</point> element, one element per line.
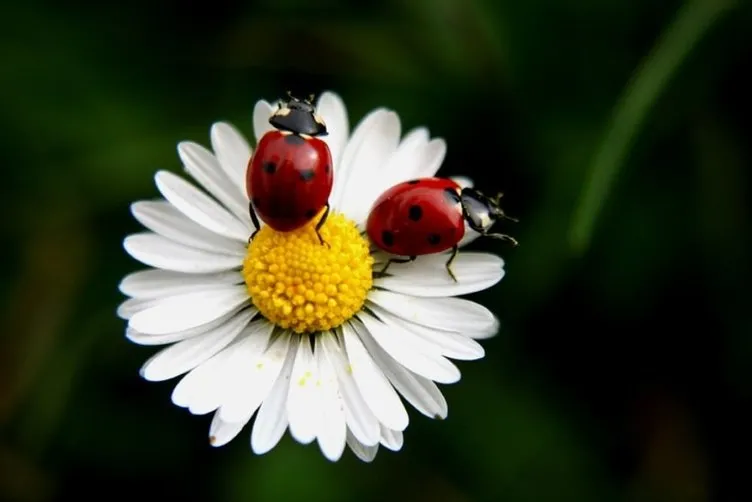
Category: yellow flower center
<point>300,284</point>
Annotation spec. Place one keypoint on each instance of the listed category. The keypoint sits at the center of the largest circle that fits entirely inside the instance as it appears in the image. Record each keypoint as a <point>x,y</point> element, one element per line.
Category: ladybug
<point>289,176</point>
<point>427,216</point>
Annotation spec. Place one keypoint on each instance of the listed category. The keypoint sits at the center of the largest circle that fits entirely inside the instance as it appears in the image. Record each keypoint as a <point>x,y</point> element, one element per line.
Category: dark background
<point>623,363</point>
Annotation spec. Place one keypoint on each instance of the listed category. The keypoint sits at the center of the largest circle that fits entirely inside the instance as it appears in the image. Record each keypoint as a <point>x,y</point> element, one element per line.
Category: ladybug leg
<point>449,263</point>
<point>502,237</point>
<point>255,221</point>
<point>321,224</point>
<point>396,260</point>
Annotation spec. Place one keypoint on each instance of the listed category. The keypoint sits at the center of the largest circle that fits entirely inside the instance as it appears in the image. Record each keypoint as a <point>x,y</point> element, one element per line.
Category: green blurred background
<point>623,364</point>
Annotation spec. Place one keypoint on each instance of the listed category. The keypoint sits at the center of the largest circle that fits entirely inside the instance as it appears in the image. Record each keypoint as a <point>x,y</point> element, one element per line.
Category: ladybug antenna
<point>496,208</point>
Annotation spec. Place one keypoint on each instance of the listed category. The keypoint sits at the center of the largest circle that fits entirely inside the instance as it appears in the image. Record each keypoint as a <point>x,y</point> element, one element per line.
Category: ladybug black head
<point>480,211</point>
<point>299,117</point>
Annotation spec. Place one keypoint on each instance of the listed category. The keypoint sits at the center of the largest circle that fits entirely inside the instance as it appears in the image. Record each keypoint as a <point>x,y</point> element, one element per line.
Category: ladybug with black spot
<point>289,176</point>
<point>427,216</point>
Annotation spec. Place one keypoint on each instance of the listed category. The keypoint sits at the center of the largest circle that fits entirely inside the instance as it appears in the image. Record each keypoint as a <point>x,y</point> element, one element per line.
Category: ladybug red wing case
<point>290,174</point>
<point>290,179</point>
<point>417,217</point>
<point>427,216</point>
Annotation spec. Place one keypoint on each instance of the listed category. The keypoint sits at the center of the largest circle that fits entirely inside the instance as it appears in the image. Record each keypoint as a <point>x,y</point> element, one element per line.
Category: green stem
<point>692,21</point>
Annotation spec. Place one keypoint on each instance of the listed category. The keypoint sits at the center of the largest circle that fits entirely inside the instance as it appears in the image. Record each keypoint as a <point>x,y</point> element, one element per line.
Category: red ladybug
<point>289,177</point>
<point>427,216</point>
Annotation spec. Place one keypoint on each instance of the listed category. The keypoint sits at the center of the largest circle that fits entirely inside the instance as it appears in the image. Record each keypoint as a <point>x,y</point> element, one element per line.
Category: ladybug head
<point>480,211</point>
<point>298,116</point>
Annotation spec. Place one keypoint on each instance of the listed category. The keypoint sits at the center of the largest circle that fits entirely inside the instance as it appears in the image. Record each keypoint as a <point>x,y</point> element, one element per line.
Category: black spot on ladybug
<point>256,201</point>
<point>310,213</point>
<point>434,239</point>
<point>294,139</point>
<point>307,175</point>
<point>270,167</point>
<point>413,182</point>
<point>452,196</point>
<point>387,238</point>
<point>415,213</point>
<point>327,168</point>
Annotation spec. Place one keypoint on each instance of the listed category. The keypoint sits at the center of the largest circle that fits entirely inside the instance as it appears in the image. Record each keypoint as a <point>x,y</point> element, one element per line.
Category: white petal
<point>368,162</point>
<point>332,109</point>
<point>233,153</point>
<point>161,338</point>
<point>379,130</point>
<point>403,163</point>
<point>449,314</point>
<point>426,341</point>
<point>164,219</point>
<point>421,392</point>
<point>415,157</point>
<point>204,167</point>
<point>332,430</point>
<point>462,181</point>
<point>470,236</point>
<point>155,283</point>
<point>199,207</point>
<point>271,420</point>
<point>391,439</point>
<point>142,339</point>
<point>221,432</point>
<point>203,388</point>
<point>449,343</point>
<point>157,251</point>
<point>427,276</point>
<point>133,306</point>
<point>186,311</point>
<point>430,157</point>
<point>254,374</point>
<point>376,390</point>
<point>261,113</point>
<point>408,349</point>
<point>303,400</point>
<point>188,354</point>
<point>363,452</point>
<point>360,419</point>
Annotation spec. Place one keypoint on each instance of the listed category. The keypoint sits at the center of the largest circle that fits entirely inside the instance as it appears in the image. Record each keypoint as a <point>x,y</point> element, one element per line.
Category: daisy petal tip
<point>220,128</point>
<point>463,181</point>
<point>439,145</point>
<point>495,326</point>
<point>218,442</point>
<point>148,374</point>
<point>178,400</point>
<point>161,174</point>
<point>183,146</point>
<point>134,208</point>
<point>332,454</point>
<point>121,311</point>
<point>329,97</point>
<point>259,447</point>
<point>454,377</point>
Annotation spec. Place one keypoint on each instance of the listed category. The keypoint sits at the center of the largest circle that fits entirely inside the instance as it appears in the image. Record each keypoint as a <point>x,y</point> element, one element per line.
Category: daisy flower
<point>303,336</point>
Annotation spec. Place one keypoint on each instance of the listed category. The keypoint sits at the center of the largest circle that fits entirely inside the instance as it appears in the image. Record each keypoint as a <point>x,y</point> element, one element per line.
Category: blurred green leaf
<point>691,23</point>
